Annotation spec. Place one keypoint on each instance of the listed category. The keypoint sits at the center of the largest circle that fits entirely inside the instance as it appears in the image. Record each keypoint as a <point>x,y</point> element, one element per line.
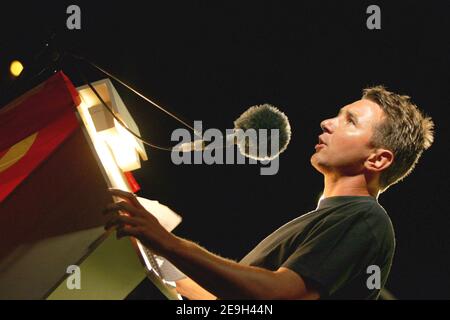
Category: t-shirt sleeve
<point>333,253</point>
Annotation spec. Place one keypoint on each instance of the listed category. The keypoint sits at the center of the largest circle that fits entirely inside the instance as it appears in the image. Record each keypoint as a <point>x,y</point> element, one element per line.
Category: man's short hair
<point>405,131</point>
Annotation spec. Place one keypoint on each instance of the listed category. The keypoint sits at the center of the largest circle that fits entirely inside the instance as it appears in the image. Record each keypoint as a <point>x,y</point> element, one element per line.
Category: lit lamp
<point>116,147</point>
<point>123,146</point>
<point>16,68</point>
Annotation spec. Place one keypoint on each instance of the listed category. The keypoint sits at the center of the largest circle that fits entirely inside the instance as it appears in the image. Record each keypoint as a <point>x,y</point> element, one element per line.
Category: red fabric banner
<point>32,127</point>
<point>36,109</point>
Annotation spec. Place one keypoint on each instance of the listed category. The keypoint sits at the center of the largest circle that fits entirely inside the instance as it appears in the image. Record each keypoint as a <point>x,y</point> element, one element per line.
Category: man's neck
<point>348,186</point>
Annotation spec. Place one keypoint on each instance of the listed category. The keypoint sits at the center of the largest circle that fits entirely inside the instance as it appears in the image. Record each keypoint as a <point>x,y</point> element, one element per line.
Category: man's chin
<point>317,164</point>
<point>314,162</point>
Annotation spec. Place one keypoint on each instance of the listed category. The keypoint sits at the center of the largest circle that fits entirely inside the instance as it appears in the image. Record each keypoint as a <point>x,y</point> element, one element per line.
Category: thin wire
<point>117,118</point>
<point>135,91</point>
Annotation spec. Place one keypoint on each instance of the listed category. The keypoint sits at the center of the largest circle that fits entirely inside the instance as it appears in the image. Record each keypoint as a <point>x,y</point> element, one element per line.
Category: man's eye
<point>351,120</point>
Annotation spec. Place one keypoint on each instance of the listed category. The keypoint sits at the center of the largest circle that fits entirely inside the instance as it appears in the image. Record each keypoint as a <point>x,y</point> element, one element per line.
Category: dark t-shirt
<point>332,247</point>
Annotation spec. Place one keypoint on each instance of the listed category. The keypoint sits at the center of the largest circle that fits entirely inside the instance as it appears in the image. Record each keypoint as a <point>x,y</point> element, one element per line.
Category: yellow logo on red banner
<point>16,152</point>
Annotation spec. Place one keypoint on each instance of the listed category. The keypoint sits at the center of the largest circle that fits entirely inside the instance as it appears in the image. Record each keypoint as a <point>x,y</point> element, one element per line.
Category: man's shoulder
<point>372,211</point>
<point>369,216</point>
<point>380,225</point>
<point>376,215</point>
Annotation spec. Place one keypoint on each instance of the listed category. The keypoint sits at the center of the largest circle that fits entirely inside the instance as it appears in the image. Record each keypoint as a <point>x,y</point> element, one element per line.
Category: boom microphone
<point>258,117</point>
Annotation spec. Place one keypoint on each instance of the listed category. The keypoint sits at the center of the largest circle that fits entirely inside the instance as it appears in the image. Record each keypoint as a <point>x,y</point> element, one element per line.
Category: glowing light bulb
<point>16,68</point>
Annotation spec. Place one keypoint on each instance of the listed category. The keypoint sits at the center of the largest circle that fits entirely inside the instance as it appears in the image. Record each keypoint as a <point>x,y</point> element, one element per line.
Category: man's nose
<point>326,125</point>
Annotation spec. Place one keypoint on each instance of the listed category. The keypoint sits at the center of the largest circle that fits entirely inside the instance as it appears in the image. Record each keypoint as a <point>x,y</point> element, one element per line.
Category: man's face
<point>346,139</point>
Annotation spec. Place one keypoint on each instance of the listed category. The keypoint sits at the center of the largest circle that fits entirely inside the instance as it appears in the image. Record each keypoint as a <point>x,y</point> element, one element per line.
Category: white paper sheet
<point>168,219</point>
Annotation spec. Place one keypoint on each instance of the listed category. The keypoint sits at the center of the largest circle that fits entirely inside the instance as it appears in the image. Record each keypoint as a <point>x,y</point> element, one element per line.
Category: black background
<point>211,60</point>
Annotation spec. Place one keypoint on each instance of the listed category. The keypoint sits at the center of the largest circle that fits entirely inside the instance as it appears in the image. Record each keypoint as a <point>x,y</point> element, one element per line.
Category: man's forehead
<point>365,111</point>
<point>362,107</point>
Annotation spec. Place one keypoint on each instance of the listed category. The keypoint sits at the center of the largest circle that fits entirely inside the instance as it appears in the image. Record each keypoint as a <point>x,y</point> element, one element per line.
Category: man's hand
<point>133,220</point>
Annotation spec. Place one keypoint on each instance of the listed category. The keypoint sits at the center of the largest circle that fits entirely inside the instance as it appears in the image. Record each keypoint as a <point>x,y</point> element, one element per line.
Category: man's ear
<point>379,160</point>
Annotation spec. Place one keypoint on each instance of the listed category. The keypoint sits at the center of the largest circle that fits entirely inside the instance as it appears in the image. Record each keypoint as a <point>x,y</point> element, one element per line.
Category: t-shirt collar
<point>338,200</point>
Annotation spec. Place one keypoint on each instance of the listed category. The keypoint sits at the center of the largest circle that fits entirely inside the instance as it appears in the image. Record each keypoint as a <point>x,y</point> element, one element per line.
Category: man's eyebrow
<point>350,114</point>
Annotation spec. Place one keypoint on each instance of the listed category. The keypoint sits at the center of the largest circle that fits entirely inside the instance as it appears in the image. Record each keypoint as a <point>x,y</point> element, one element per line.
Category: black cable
<point>84,78</point>
<point>134,91</point>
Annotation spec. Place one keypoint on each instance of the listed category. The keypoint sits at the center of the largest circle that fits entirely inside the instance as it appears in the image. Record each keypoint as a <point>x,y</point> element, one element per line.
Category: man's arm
<point>230,280</point>
<point>224,278</point>
<point>193,291</point>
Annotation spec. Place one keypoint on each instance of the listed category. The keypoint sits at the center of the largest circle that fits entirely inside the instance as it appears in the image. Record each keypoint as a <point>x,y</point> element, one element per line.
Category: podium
<point>57,161</point>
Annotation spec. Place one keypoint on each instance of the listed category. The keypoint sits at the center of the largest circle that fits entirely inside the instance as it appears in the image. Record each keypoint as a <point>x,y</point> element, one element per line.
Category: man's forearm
<point>193,291</point>
<point>224,278</point>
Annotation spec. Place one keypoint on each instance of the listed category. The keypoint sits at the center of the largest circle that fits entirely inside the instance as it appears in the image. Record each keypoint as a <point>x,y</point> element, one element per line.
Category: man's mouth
<point>320,146</point>
<point>320,143</point>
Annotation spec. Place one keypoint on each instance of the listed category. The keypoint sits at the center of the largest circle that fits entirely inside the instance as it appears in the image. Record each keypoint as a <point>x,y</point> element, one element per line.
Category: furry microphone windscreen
<point>268,117</point>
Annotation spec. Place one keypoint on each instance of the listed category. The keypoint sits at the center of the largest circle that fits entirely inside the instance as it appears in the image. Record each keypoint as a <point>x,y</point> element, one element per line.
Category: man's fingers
<point>122,220</point>
<point>131,197</point>
<point>127,231</point>
<point>122,206</point>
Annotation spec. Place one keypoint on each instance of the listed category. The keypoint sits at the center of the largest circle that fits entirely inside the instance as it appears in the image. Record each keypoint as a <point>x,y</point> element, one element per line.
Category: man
<point>370,145</point>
